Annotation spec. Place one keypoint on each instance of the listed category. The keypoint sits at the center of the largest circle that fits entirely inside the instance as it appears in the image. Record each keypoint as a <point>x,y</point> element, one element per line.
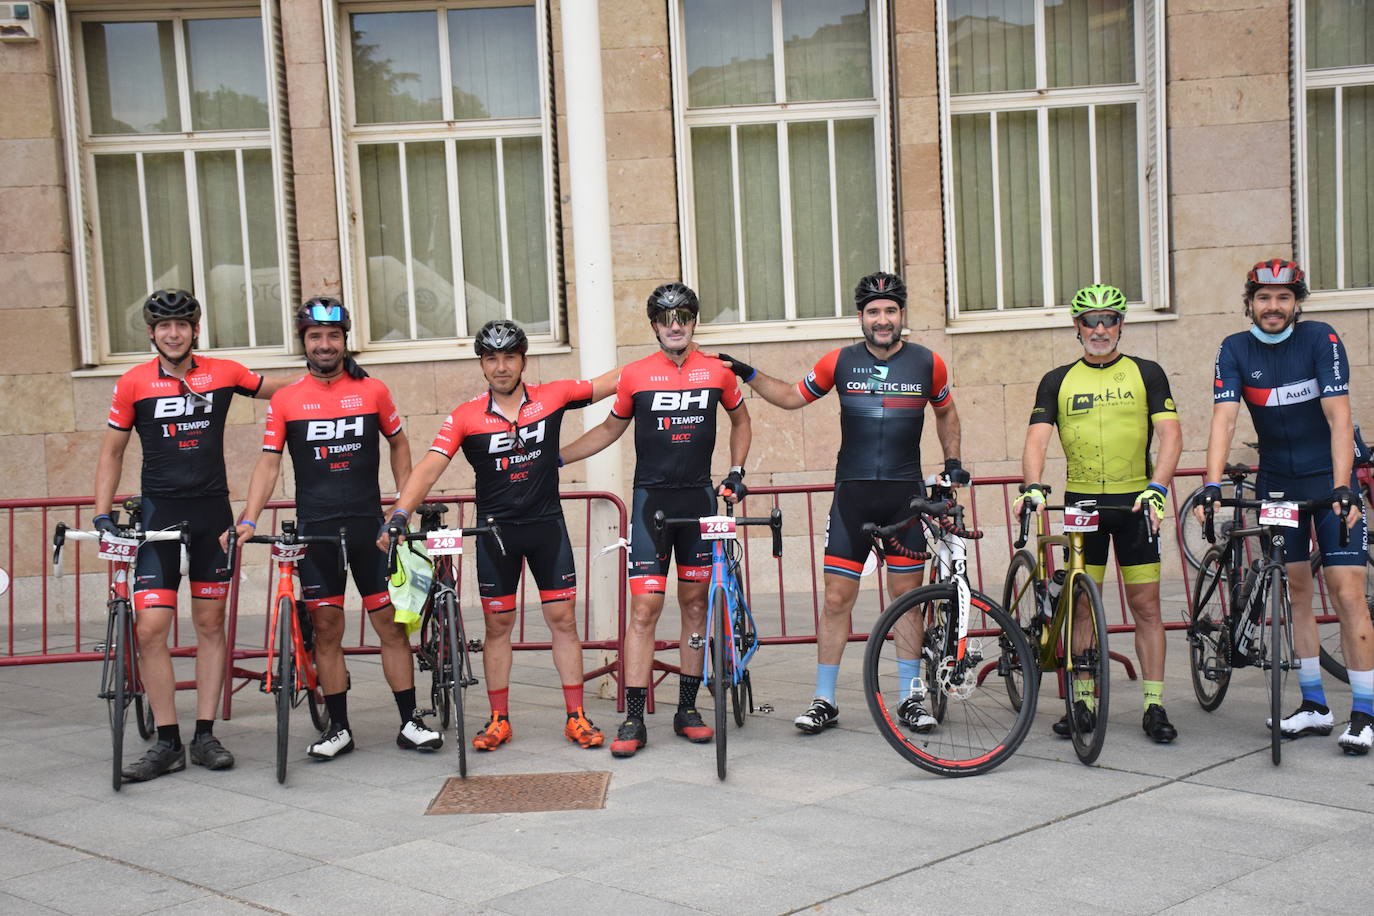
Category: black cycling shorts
<point>322,584</point>
<point>881,502</point>
<point>1136,552</point>
<point>649,572</point>
<point>1298,541</point>
<point>544,546</point>
<point>158,573</point>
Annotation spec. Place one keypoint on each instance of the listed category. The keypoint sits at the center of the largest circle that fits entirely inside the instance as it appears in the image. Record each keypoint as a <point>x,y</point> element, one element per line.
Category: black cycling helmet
<point>501,336</point>
<point>322,312</point>
<point>169,304</point>
<point>879,286</point>
<point>672,296</point>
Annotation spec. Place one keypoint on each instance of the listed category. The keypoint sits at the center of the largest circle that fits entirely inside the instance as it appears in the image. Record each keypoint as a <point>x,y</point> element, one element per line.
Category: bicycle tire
<point>1194,545</point>
<point>982,728</point>
<point>118,629</point>
<point>1209,631</point>
<point>435,646</point>
<point>319,712</point>
<point>741,689</point>
<point>933,649</point>
<point>143,715</point>
<point>1019,600</point>
<point>1332,653</point>
<point>1094,660</point>
<point>454,660</point>
<point>720,676</point>
<point>1279,657</point>
<point>285,677</point>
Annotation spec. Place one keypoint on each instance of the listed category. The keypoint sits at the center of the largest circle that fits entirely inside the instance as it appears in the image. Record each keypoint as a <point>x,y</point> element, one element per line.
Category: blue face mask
<point>1280,337</point>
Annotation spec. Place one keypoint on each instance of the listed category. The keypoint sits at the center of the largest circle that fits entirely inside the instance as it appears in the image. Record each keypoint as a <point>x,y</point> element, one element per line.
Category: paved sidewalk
<point>834,824</point>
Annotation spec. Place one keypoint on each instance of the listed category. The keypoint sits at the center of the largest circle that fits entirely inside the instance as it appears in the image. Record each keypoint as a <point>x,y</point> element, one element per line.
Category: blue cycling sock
<point>908,673</point>
<point>1310,680</point>
<point>1362,691</point>
<point>826,676</point>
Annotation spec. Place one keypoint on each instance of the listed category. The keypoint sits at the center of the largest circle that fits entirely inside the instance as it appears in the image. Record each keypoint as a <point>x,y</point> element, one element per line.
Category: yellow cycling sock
<point>1154,693</point>
<point>1083,690</point>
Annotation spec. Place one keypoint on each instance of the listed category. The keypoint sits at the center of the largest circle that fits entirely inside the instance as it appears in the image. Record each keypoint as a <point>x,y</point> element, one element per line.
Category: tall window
<point>1051,145</point>
<point>176,128</point>
<point>451,169</point>
<point>1335,49</point>
<point>784,194</point>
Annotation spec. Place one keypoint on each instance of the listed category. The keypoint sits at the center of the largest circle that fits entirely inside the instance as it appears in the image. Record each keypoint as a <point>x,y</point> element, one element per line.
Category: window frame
<point>82,148</point>
<point>1151,127</point>
<point>348,136</point>
<point>1337,78</point>
<point>790,327</point>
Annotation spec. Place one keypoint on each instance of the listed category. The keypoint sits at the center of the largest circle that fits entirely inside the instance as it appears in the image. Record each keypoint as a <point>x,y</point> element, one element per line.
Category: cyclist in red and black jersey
<point>177,402</point>
<point>884,386</point>
<point>331,422</point>
<point>672,397</point>
<point>510,434</point>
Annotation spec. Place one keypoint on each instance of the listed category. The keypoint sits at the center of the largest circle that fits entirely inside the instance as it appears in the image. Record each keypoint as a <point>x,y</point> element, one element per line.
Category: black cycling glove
<point>745,371</point>
<point>734,482</point>
<point>1346,497</point>
<point>954,470</point>
<point>103,523</point>
<point>1209,495</point>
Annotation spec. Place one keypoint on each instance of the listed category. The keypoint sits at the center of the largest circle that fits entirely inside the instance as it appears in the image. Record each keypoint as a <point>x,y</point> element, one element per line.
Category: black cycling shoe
<point>1157,725</point>
<point>206,751</point>
<point>631,736</point>
<point>161,758</point>
<point>1087,720</point>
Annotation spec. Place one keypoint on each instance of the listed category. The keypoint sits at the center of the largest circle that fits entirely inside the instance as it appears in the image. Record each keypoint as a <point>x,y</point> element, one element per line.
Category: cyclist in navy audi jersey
<point>672,397</point>
<point>1295,380</point>
<point>509,434</point>
<point>331,422</point>
<point>884,386</point>
<point>178,403</point>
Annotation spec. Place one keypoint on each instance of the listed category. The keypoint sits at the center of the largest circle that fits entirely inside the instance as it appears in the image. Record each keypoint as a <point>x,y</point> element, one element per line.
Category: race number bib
<point>1080,520</point>
<point>444,543</point>
<point>118,550</point>
<point>287,553</point>
<point>718,528</point>
<point>1280,513</point>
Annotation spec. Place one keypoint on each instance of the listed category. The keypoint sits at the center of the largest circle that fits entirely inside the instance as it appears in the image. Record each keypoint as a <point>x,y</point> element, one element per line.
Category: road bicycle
<point>1064,619</point>
<point>925,645</point>
<point>120,685</point>
<point>290,675</point>
<point>730,629</point>
<point>1241,614</point>
<point>444,650</point>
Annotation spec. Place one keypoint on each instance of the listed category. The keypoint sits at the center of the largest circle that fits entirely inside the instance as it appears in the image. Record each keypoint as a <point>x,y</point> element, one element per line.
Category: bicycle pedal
<point>763,709</point>
<point>100,647</point>
<point>424,712</point>
<point>474,645</point>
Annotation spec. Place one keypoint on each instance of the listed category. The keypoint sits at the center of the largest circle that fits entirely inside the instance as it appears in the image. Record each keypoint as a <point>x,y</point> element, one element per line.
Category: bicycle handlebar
<point>1312,505</point>
<point>290,536</point>
<point>62,534</point>
<point>398,534</point>
<point>1027,509</point>
<point>662,523</point>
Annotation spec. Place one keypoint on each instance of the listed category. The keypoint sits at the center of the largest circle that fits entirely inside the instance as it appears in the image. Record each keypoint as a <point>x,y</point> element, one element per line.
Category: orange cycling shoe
<point>497,733</point>
<point>581,731</point>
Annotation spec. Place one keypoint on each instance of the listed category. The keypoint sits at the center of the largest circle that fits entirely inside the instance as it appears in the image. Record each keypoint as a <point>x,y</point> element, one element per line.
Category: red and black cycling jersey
<point>331,429</point>
<point>674,409</point>
<point>882,407</point>
<point>182,433</point>
<point>516,463</point>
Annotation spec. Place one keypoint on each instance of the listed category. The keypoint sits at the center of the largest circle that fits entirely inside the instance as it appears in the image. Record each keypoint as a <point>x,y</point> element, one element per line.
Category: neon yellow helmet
<point>1096,298</point>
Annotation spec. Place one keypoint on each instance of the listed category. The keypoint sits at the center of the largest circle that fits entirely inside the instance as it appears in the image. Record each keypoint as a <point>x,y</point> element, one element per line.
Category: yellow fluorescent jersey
<point>1106,416</point>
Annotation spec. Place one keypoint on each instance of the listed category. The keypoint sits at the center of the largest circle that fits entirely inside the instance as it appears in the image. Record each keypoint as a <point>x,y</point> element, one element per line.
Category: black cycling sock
<point>687,686</point>
<point>205,727</point>
<point>337,704</point>
<point>635,698</point>
<point>171,734</point>
<point>405,703</point>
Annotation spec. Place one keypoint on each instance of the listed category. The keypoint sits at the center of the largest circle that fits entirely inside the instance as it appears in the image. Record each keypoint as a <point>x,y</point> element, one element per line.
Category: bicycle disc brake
<point>959,679</point>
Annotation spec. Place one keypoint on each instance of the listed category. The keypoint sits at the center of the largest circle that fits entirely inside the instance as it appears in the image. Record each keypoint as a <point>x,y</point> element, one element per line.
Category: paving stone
<point>329,890</point>
<point>100,887</point>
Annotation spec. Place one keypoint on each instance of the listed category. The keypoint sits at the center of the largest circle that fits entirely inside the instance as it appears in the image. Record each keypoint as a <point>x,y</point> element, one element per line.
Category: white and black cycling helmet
<point>501,336</point>
<point>170,305</point>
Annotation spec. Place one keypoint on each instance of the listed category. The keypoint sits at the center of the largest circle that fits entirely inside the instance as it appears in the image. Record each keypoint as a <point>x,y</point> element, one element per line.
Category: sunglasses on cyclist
<point>1100,320</point>
<point>1287,273</point>
<point>321,312</point>
<point>666,317</point>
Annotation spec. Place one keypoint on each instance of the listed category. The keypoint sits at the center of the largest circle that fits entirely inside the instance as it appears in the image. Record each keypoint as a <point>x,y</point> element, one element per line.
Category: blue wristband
<point>1217,485</point>
<point>253,525</point>
<point>100,516</point>
<point>395,512</point>
<point>1164,491</point>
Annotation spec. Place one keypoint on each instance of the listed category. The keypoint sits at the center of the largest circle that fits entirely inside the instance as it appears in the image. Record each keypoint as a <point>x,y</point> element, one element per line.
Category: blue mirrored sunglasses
<point>320,312</point>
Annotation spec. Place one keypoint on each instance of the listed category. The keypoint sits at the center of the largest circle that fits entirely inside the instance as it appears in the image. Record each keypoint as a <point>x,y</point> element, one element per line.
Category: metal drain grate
<point>516,792</point>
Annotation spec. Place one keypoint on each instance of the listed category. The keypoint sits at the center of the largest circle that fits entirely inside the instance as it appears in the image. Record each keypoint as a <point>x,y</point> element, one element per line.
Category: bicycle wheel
<point>1332,654</point>
<point>1020,599</point>
<point>1190,529</point>
<point>435,653</point>
<point>981,726</point>
<point>114,681</point>
<point>453,662</point>
<point>1209,633</point>
<point>720,676</point>
<point>933,651</point>
<point>1278,655</point>
<point>1086,659</point>
<point>319,712</point>
<point>143,715</point>
<point>741,689</point>
<point>284,685</point>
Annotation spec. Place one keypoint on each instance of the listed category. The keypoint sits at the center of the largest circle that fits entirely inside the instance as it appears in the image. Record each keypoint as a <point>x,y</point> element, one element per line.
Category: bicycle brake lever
<point>775,522</point>
<point>496,535</point>
<point>58,539</point>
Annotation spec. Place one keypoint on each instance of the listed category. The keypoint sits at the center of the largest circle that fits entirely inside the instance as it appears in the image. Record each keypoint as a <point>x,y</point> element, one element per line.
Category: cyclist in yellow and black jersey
<point>1108,408</point>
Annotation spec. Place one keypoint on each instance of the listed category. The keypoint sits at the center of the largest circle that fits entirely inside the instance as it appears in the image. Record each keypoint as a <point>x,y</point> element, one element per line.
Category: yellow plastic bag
<point>409,585</point>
